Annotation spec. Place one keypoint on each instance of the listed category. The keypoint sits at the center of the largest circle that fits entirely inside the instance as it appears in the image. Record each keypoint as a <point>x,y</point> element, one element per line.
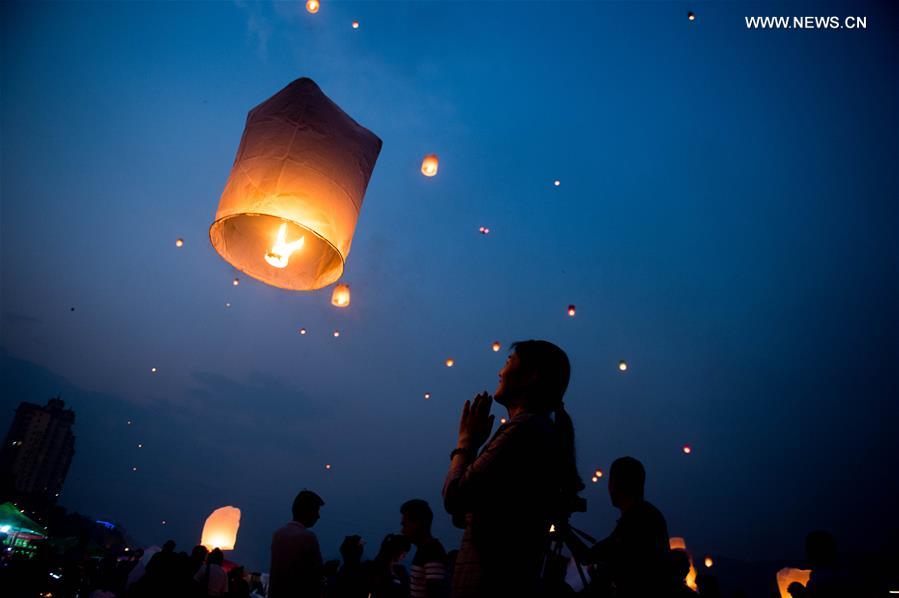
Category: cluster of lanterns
<point>484,230</point>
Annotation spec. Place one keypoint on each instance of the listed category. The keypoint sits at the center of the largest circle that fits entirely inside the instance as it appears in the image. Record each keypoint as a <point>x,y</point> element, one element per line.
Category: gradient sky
<point>726,222</point>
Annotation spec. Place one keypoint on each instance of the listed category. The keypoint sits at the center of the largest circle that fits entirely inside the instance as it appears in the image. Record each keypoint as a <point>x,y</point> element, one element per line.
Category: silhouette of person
<point>707,586</point>
<point>350,581</point>
<point>212,577</point>
<point>826,579</point>
<point>237,584</point>
<point>679,567</point>
<point>524,478</point>
<point>636,552</point>
<point>385,576</point>
<point>296,569</point>
<point>427,577</point>
<point>796,590</point>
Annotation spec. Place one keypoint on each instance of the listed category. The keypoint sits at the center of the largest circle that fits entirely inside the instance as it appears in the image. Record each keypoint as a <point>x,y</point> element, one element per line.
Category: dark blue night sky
<point>726,222</point>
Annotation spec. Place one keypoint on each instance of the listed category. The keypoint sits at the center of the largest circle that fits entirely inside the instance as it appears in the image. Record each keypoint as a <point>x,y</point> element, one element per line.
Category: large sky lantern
<point>220,529</point>
<point>429,165</point>
<point>290,205</point>
<point>341,296</point>
<point>788,575</point>
<point>678,543</point>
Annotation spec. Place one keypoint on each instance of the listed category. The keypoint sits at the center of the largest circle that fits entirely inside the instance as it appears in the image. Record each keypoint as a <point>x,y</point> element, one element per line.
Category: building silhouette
<point>37,452</point>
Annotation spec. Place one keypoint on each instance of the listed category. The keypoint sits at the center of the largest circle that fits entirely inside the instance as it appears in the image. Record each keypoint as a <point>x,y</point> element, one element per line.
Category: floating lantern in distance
<point>677,543</point>
<point>179,242</point>
<point>341,295</point>
<point>484,230</point>
<point>336,333</point>
<point>140,445</point>
<point>289,209</point>
<point>129,422</point>
<point>622,365</point>
<point>709,562</point>
<point>552,528</point>
<point>691,16</point>
<point>302,331</point>
<point>571,310</point>
<point>450,363</point>
<point>134,469</point>
<point>687,449</point>
<point>312,6</point>
<point>152,370</point>
<point>236,281</point>
<point>598,473</point>
<point>228,304</point>
<point>502,420</point>
<point>557,182</point>
<point>429,165</point>
<point>427,396</point>
<point>788,575</point>
<point>327,466</point>
<point>220,529</point>
<point>355,24</point>
<point>496,346</point>
<point>594,479</point>
<point>163,523</point>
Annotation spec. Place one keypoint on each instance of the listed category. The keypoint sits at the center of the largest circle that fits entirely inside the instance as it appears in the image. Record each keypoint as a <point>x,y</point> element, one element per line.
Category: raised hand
<point>476,423</point>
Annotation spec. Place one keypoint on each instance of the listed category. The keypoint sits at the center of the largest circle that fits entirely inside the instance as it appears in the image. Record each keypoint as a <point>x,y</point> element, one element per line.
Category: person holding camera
<point>525,477</point>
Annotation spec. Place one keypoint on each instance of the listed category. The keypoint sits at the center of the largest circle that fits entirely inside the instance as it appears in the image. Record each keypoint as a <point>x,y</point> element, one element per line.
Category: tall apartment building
<point>38,450</point>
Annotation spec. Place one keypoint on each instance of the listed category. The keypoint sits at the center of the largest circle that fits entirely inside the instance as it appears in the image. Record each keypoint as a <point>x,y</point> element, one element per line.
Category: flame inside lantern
<point>279,255</point>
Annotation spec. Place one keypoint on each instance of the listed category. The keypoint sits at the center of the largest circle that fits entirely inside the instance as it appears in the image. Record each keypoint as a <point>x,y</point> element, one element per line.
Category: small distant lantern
<point>429,165</point>
<point>289,209</point>
<point>678,543</point>
<point>179,242</point>
<point>220,529</point>
<point>327,466</point>
<point>687,449</point>
<point>134,469</point>
<point>502,420</point>
<point>788,575</point>
<point>571,310</point>
<point>140,445</point>
<point>557,182</point>
<point>302,331</point>
<point>450,363</point>
<point>427,396</point>
<point>594,479</point>
<point>484,230</point>
<point>228,304</point>
<point>152,370</point>
<point>708,562</point>
<point>691,16</point>
<point>622,366</point>
<point>336,333</point>
<point>496,346</point>
<point>236,281</point>
<point>355,24</point>
<point>163,523</point>
<point>598,473</point>
<point>312,6</point>
<point>129,422</point>
<point>341,296</point>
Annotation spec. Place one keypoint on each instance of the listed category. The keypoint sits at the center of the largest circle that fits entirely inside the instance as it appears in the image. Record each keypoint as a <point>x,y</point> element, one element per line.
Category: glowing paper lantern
<point>179,242</point>
<point>598,473</point>
<point>312,6</point>
<point>691,16</point>
<point>557,183</point>
<point>140,445</point>
<point>496,346</point>
<point>355,24</point>
<point>302,331</point>
<point>236,281</point>
<point>622,365</point>
<point>220,529</point>
<point>571,310</point>
<point>450,363</point>
<point>289,209</point>
<point>336,333</point>
<point>677,543</point>
<point>484,230</point>
<point>341,295</point>
<point>788,575</point>
<point>427,396</point>
<point>152,370</point>
<point>429,165</point>
<point>594,479</point>
<point>709,562</point>
<point>687,449</point>
<point>228,304</point>
<point>502,420</point>
<point>327,466</point>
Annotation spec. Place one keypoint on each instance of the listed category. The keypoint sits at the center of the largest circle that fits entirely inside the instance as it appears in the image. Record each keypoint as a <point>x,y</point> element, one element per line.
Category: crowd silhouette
<point>512,491</point>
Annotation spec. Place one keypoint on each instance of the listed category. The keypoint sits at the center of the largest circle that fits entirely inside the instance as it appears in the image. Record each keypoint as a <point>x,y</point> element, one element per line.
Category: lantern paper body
<point>341,296</point>
<point>677,543</point>
<point>429,165</point>
<point>787,575</point>
<point>220,530</point>
<point>300,173</point>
